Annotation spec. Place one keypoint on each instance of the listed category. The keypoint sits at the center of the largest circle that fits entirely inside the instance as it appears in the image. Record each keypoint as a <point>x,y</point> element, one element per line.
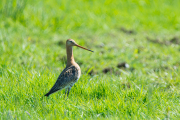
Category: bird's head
<point>71,42</point>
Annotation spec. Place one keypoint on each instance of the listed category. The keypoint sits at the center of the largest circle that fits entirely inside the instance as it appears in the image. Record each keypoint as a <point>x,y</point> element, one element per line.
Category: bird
<point>70,75</point>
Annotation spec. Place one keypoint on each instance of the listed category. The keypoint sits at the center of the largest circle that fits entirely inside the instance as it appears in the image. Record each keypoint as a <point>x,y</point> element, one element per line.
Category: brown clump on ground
<point>127,31</point>
<point>106,70</point>
<point>122,65</point>
<point>174,40</point>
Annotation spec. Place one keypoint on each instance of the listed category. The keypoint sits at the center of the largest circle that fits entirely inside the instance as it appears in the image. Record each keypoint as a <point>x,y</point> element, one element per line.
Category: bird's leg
<point>68,91</point>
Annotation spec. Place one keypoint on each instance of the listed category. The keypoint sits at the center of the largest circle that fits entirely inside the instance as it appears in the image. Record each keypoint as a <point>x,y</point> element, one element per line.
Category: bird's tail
<point>53,89</point>
<point>47,94</point>
<point>50,92</point>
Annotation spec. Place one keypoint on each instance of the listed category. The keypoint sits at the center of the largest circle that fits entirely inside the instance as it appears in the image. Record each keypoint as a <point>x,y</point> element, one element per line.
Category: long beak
<point>84,48</point>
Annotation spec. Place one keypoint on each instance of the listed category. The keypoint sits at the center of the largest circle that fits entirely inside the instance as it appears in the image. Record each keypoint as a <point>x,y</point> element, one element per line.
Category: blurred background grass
<point>141,33</point>
<point>69,17</point>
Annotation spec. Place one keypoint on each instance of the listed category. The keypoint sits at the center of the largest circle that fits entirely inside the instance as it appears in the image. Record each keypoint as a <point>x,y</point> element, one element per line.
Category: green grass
<point>32,55</point>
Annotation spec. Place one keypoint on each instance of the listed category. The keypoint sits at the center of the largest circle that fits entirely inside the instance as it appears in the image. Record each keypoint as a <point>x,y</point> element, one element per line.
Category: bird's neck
<point>70,57</point>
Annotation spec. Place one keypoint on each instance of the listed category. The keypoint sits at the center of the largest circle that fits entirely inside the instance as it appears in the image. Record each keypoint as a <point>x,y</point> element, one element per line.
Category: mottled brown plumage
<point>71,73</point>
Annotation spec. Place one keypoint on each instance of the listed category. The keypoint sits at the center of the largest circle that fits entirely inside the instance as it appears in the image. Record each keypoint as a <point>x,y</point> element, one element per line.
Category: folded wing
<point>68,76</point>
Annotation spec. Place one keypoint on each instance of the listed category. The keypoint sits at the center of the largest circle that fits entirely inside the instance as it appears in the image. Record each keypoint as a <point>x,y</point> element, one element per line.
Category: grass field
<point>141,33</point>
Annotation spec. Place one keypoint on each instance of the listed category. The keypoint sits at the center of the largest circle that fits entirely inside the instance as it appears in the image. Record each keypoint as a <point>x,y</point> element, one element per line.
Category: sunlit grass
<point>32,50</point>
